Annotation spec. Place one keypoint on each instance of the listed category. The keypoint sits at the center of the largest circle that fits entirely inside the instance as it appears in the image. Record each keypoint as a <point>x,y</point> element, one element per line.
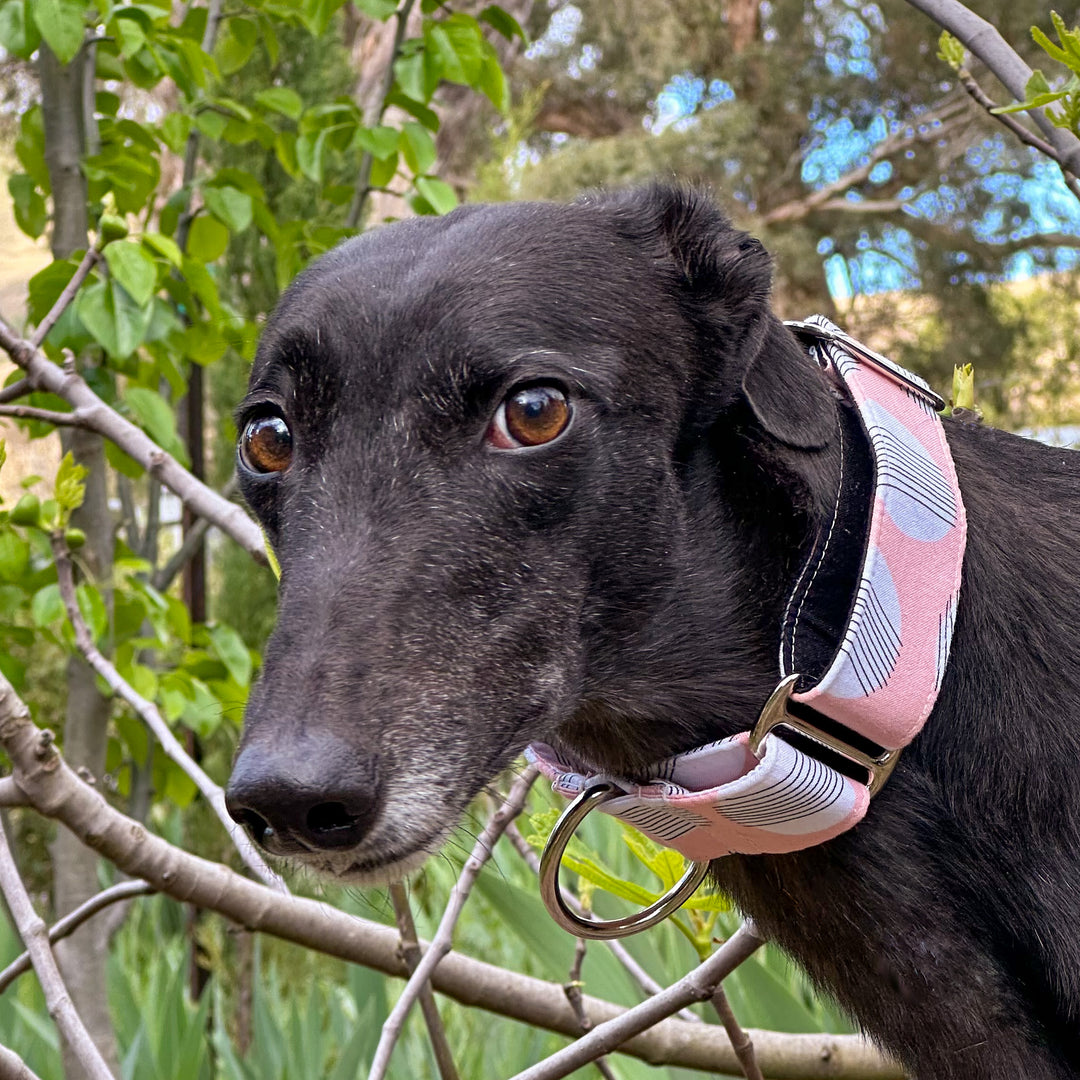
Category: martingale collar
<point>858,681</point>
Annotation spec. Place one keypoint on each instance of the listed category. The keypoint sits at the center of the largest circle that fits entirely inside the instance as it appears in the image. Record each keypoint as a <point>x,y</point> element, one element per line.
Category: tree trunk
<point>82,956</point>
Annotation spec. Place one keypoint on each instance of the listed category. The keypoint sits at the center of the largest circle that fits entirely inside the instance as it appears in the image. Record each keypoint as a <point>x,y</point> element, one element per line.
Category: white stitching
<point>825,548</point>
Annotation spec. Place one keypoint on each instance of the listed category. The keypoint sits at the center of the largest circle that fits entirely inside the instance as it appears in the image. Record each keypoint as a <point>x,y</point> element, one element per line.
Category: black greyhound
<point>548,472</point>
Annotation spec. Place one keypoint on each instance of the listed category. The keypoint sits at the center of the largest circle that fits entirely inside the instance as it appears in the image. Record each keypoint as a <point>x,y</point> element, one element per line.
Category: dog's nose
<point>317,797</point>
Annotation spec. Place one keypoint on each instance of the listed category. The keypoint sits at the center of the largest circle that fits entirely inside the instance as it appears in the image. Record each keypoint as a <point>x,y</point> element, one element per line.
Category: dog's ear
<point>723,278</point>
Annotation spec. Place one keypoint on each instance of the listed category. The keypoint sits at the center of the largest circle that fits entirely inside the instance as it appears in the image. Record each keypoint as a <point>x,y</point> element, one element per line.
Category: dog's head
<point>531,472</point>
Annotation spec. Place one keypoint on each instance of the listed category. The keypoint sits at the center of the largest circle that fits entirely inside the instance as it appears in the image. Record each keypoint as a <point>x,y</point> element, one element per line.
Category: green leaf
<point>492,81</point>
<point>379,10</point>
<point>1036,85</point>
<point>174,130</point>
<point>93,610</point>
<point>950,50</point>
<point>70,490</point>
<point>230,206</point>
<point>18,31</point>
<point>164,246</point>
<point>133,268</point>
<point>281,99</point>
<point>61,25</point>
<point>417,147</point>
<point>113,318</point>
<point>232,652</point>
<point>207,239</point>
<point>237,39</point>
<point>503,22</point>
<point>47,606</point>
<point>155,416</point>
<point>14,555</point>
<point>379,141</point>
<point>31,214</point>
<point>1051,50</point>
<point>409,73</point>
<point>129,31</point>
<point>438,193</point>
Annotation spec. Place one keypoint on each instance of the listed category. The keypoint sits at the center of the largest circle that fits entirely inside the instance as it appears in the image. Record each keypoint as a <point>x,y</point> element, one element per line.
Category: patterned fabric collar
<point>859,686</point>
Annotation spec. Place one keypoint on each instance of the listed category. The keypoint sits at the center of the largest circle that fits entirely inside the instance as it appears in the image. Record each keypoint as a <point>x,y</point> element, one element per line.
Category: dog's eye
<point>530,416</point>
<point>266,444</point>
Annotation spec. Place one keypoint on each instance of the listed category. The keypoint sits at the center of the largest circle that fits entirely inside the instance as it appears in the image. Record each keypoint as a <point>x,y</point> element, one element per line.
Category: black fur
<point>621,590</point>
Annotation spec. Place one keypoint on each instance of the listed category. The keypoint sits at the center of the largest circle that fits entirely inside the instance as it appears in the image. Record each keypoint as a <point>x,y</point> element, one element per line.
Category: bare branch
<point>411,954</point>
<point>204,501</point>
<point>163,577</point>
<point>90,259</point>
<point>12,1067</point>
<point>741,1043</point>
<point>572,989</point>
<point>699,985</point>
<point>53,789</point>
<point>10,793</point>
<point>440,944</point>
<point>983,39</point>
<point>15,390</point>
<point>148,713</point>
<point>647,983</point>
<point>35,937</point>
<point>929,128</point>
<point>66,926</point>
<point>363,175</point>
<point>48,416</point>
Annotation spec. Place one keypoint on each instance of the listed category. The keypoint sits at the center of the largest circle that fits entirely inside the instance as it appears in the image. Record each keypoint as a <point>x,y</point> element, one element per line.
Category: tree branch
<point>411,954</point>
<point>440,944</point>
<point>572,989</point>
<point>699,985</point>
<point>983,39</point>
<point>644,980</point>
<point>204,501</point>
<point>15,390</point>
<point>48,416</point>
<point>1028,138</point>
<point>924,129</point>
<point>741,1043</point>
<point>35,937</point>
<point>10,793</point>
<point>66,926</point>
<point>53,789</point>
<point>362,188</point>
<point>148,713</point>
<point>12,1067</point>
<point>90,259</point>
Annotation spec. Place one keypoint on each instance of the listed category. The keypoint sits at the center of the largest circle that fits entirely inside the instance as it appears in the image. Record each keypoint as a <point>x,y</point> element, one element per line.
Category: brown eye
<point>266,444</point>
<point>530,416</point>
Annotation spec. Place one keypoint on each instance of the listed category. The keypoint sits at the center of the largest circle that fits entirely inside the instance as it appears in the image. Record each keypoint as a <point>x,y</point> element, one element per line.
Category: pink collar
<point>755,793</point>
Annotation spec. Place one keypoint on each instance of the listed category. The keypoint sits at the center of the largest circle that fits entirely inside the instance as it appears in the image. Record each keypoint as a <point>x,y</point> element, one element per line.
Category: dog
<point>548,472</point>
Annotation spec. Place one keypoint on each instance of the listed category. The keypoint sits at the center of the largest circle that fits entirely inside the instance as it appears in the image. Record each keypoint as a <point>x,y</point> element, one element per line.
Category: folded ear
<point>723,278</point>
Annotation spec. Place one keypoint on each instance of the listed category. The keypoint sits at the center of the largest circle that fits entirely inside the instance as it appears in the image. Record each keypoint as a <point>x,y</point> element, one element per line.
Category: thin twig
<point>16,390</point>
<point>741,1043</point>
<point>48,416</point>
<point>572,987</point>
<point>66,926</point>
<point>647,983</point>
<point>148,713</point>
<point>90,259</point>
<point>362,188</point>
<point>699,985</point>
<point>35,937</point>
<point>12,1067</point>
<point>54,790</point>
<point>164,576</point>
<point>440,943</point>
<point>1029,138</point>
<point>411,954</point>
<point>69,385</point>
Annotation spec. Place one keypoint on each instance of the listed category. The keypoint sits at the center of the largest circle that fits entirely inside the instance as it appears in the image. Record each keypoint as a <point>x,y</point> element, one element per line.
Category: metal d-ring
<point>603,929</point>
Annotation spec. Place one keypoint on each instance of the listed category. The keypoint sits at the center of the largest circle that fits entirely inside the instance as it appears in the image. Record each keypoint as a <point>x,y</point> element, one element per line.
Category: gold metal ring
<point>603,929</point>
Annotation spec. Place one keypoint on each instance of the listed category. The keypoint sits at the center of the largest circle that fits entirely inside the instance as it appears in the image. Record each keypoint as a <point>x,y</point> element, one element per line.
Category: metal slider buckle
<point>775,714</point>
<point>869,356</point>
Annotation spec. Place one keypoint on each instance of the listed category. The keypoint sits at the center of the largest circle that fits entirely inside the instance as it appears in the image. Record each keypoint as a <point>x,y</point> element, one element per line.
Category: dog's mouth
<point>382,868</point>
